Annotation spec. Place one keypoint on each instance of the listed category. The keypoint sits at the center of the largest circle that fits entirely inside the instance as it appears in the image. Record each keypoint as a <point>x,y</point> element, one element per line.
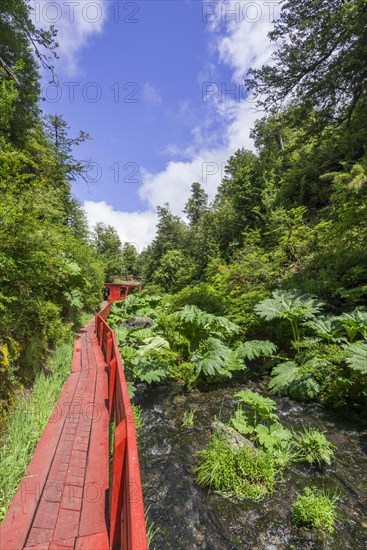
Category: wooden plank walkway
<point>62,501</point>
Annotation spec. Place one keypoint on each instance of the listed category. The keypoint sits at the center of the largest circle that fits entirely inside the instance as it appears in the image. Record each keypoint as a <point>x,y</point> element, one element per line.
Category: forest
<point>269,279</point>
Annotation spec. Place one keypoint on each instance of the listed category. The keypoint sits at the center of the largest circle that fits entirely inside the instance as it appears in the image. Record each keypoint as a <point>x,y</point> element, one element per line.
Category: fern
<point>215,358</point>
<point>256,348</point>
<point>356,356</point>
<point>330,328</point>
<point>197,325</point>
<point>293,380</point>
<point>139,334</point>
<point>74,298</point>
<point>291,305</point>
<point>153,343</point>
<point>354,323</point>
<point>286,304</point>
<point>151,375</point>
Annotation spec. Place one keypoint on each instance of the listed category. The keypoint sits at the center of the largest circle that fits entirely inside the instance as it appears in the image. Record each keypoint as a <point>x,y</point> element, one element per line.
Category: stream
<point>188,517</point>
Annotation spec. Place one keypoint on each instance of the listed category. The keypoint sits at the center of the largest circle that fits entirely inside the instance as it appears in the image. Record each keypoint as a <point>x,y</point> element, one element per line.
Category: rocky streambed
<point>189,517</point>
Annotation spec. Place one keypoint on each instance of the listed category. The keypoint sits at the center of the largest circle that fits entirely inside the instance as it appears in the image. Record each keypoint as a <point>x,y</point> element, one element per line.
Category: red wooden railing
<point>127,521</point>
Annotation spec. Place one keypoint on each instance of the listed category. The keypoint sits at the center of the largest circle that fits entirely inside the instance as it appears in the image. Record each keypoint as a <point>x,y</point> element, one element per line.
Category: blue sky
<point>148,80</point>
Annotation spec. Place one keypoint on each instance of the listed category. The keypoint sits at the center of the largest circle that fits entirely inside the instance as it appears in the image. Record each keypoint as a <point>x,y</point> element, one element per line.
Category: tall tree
<point>320,60</point>
<point>22,48</point>
<point>129,259</point>
<point>57,130</point>
<point>170,235</point>
<point>197,204</point>
<point>107,244</point>
<point>238,203</point>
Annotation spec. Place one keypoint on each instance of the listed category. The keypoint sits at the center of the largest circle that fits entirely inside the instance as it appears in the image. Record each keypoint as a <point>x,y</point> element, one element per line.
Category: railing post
<point>109,346</point>
<point>101,331</point>
<point>117,481</point>
<point>112,382</point>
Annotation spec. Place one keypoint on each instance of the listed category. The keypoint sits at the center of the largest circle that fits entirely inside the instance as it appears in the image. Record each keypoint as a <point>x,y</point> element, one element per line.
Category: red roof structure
<point>121,287</point>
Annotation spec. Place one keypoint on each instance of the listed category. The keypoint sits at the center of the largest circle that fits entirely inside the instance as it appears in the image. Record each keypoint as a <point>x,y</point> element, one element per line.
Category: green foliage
<point>235,473</point>
<point>296,381</point>
<point>330,328</point>
<point>197,325</point>
<point>315,509</point>
<point>354,323</point>
<point>320,63</point>
<point>261,424</point>
<point>214,358</point>
<point>138,418</point>
<point>168,275</point>
<point>257,348</point>
<point>263,408</point>
<point>153,343</point>
<point>313,447</point>
<point>49,273</point>
<point>356,356</point>
<point>246,457</point>
<point>197,204</point>
<point>291,305</point>
<point>141,367</point>
<point>288,221</point>
<point>203,295</point>
<point>108,246</point>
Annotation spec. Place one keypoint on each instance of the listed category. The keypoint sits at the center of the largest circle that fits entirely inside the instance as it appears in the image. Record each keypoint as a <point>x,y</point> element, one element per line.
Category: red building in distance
<point>121,287</point>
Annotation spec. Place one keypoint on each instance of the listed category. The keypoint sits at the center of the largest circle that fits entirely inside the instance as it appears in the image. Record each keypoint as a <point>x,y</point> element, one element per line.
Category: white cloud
<point>245,43</point>
<point>151,94</point>
<point>134,227</point>
<point>76,22</point>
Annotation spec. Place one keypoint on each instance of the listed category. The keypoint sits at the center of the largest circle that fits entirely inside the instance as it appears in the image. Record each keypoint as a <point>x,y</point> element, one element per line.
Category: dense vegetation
<point>281,250</point>
<point>49,269</point>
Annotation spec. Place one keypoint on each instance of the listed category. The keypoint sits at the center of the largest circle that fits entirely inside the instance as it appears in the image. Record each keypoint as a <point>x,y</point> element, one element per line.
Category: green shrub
<point>315,510</point>
<point>202,295</point>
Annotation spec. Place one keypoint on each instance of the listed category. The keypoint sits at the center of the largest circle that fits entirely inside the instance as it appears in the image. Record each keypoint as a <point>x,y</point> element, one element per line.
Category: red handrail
<point>127,521</point>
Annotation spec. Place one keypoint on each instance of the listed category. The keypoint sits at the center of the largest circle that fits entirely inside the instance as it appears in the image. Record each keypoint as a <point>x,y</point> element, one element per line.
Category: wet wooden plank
<point>95,497</point>
<point>97,542</point>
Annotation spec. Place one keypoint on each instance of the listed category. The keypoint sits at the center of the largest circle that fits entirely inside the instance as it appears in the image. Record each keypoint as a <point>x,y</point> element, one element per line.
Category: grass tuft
<point>315,510</point>
<point>313,447</point>
<point>243,472</point>
<point>188,418</point>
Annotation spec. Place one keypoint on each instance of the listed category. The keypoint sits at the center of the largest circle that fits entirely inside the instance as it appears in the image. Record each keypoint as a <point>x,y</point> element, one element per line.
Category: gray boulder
<point>138,322</point>
<point>233,438</point>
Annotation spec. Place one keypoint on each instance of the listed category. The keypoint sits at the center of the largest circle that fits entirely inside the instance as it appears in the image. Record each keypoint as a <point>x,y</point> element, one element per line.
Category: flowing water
<point>189,517</point>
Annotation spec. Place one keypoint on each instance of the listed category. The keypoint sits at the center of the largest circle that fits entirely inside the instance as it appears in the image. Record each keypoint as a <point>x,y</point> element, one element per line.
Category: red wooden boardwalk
<point>62,502</point>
